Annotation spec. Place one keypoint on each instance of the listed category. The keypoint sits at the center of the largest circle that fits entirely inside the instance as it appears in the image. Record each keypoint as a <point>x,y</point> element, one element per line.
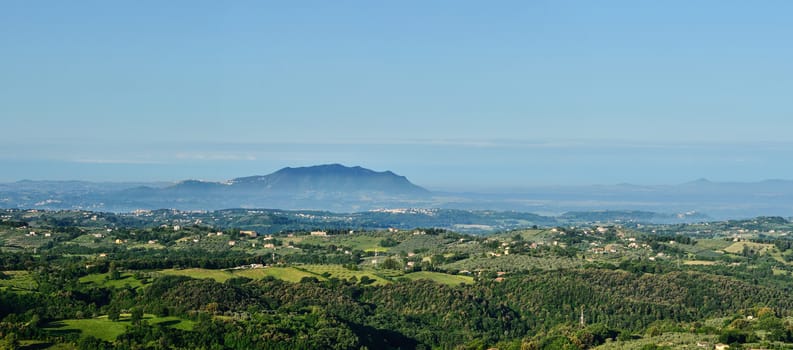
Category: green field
<point>438,277</point>
<point>217,275</point>
<point>737,247</point>
<point>289,274</point>
<point>105,329</point>
<point>341,272</point>
<point>699,262</point>
<point>415,243</point>
<point>758,248</point>
<point>514,263</point>
<point>18,280</point>
<point>355,241</point>
<point>712,244</point>
<point>531,235</point>
<point>670,340</point>
<point>103,279</point>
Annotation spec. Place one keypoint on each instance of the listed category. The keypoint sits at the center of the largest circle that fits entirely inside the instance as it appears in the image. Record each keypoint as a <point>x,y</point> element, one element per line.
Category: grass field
<point>18,280</point>
<point>672,340</point>
<point>289,274</point>
<point>420,242</point>
<point>155,246</point>
<point>699,262</point>
<point>105,329</point>
<point>737,247</point>
<point>438,277</point>
<point>217,275</point>
<point>354,241</point>
<point>712,244</point>
<point>514,263</point>
<point>528,235</point>
<point>102,279</point>
<point>40,344</point>
<point>341,272</point>
<point>759,248</point>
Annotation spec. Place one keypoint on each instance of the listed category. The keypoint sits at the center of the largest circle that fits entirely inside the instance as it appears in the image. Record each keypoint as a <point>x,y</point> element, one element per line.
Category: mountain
<point>330,178</point>
<point>342,189</point>
<point>326,187</point>
<point>319,180</point>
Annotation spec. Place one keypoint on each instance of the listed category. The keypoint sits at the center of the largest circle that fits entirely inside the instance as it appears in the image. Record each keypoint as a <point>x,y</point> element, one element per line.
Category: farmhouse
<point>319,233</point>
<point>251,234</point>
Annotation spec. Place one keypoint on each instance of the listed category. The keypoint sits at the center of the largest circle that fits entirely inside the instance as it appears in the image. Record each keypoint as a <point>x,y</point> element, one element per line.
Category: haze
<point>450,94</point>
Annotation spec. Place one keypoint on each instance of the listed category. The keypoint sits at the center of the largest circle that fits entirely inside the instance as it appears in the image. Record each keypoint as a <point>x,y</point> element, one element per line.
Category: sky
<point>451,94</point>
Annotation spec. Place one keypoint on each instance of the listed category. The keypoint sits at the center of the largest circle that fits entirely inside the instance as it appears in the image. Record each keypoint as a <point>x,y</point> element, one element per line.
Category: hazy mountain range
<point>340,188</point>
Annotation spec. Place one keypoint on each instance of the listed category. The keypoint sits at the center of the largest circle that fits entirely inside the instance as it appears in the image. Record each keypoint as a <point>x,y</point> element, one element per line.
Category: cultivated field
<point>438,277</point>
<point>355,241</point>
<point>198,273</point>
<point>341,272</point>
<point>667,340</point>
<point>289,274</point>
<point>102,328</point>
<point>18,280</point>
<point>103,279</point>
<point>737,247</point>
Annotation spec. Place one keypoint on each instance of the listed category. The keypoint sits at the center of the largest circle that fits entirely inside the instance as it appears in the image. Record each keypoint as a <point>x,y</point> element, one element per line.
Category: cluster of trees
<point>536,309</point>
<point>532,309</point>
<point>13,223</point>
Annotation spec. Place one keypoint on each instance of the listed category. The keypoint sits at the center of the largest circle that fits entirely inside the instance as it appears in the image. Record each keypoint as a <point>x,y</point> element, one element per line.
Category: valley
<point>155,279</point>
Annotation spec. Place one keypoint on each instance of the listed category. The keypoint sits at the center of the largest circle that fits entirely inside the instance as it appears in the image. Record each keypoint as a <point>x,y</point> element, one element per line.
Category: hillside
<point>189,280</point>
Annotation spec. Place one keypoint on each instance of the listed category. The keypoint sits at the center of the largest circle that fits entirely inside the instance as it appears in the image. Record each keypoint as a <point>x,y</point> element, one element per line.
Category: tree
<point>388,242</point>
<point>114,273</point>
<point>391,264</point>
<point>113,314</point>
<point>10,341</point>
<point>137,315</point>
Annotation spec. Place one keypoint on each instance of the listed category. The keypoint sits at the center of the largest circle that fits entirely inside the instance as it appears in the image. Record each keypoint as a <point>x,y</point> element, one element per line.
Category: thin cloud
<point>215,156</point>
<point>503,143</point>
<point>116,161</point>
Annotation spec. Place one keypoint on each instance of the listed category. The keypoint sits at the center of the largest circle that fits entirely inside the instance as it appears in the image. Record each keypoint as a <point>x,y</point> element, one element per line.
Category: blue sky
<point>452,94</point>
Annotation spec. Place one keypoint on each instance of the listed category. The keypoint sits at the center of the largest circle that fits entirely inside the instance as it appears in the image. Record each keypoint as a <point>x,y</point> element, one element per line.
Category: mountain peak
<point>326,168</point>
<point>331,178</point>
<point>699,182</point>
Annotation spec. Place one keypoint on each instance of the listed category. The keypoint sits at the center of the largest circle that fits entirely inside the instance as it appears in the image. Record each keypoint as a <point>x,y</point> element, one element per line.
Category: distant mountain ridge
<point>328,187</point>
<point>331,178</point>
<point>345,189</point>
<point>326,179</point>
